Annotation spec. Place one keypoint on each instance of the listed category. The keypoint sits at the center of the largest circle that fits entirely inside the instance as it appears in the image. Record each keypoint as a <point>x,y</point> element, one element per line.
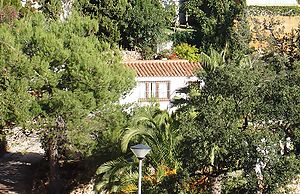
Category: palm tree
<point>213,59</point>
<point>160,132</point>
<point>117,176</point>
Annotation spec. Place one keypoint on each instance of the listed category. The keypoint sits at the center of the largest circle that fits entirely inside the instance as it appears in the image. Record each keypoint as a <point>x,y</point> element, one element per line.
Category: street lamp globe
<point>140,150</point>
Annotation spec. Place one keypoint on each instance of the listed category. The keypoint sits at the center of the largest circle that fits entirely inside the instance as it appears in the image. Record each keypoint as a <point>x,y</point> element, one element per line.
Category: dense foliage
<point>237,121</point>
<point>150,126</point>
<point>235,130</point>
<point>61,80</point>
<point>213,21</point>
<point>45,62</point>
<point>188,52</point>
<point>133,24</point>
<point>15,3</point>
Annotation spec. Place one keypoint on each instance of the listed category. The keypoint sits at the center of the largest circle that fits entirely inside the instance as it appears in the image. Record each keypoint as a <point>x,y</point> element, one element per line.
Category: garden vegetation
<point>237,130</point>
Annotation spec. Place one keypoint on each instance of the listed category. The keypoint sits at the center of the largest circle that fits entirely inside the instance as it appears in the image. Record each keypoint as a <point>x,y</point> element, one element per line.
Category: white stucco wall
<point>273,2</point>
<point>175,84</point>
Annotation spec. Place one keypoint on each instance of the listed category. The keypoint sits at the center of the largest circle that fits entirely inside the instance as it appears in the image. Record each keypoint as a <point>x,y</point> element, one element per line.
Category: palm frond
<point>101,186</point>
<point>108,166</point>
<point>115,175</point>
<point>212,60</point>
<point>130,133</point>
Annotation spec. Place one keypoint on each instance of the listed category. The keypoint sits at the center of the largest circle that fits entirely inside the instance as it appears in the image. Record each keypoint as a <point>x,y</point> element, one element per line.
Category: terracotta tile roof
<point>162,68</point>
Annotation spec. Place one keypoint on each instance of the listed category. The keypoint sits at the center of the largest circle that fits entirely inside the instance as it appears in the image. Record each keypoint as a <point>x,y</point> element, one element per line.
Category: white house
<point>273,2</point>
<point>160,79</point>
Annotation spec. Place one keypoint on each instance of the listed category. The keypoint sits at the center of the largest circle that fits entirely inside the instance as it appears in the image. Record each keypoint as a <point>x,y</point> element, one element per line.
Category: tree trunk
<point>54,184</point>
<point>216,186</point>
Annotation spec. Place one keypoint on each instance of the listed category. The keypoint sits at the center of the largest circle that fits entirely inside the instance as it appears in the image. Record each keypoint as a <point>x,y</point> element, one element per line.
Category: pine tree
<point>57,78</point>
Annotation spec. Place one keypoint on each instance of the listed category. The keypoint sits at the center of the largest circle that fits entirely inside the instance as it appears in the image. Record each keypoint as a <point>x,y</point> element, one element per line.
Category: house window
<point>154,89</point>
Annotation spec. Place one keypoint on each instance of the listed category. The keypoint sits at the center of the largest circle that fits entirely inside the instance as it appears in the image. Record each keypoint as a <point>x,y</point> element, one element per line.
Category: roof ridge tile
<point>162,68</point>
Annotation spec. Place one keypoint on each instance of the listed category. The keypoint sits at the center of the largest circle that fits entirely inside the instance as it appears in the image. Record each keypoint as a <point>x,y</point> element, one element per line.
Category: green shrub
<point>180,37</point>
<point>188,52</point>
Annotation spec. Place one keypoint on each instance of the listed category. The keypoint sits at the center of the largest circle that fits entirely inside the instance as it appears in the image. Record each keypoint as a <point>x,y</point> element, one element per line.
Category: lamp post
<point>140,151</point>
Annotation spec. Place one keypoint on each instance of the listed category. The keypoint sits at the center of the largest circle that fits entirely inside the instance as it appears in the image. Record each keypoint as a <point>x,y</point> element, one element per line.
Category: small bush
<point>188,52</point>
<point>180,37</point>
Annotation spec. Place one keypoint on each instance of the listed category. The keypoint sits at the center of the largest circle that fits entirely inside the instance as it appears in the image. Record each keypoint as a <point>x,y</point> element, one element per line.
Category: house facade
<point>273,2</point>
<point>159,80</point>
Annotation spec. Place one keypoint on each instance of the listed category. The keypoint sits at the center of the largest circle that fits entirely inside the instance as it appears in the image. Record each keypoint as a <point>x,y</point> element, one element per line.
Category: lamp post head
<point>140,150</point>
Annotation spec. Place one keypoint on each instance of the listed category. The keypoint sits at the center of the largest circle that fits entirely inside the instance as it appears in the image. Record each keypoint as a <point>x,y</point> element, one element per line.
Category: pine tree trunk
<point>216,186</point>
<point>54,185</point>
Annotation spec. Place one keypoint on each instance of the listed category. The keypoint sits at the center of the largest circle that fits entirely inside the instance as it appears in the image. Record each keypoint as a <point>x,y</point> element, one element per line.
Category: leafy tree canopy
<point>241,118</point>
<point>133,24</point>
<point>213,21</point>
<point>53,70</point>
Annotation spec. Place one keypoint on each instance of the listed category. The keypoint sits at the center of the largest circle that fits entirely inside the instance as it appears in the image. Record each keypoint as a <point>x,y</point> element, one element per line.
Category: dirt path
<point>17,167</point>
<point>16,172</point>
